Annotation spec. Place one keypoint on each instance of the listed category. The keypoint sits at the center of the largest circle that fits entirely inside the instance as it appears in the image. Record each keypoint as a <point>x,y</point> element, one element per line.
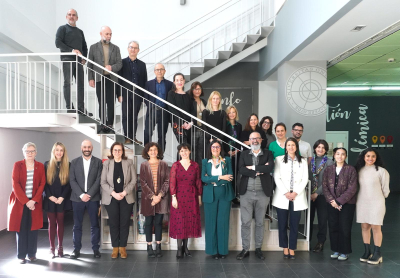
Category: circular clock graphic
<point>306,91</point>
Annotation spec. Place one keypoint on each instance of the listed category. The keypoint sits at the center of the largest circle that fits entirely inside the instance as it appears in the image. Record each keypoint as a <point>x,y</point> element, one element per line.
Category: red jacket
<point>18,197</point>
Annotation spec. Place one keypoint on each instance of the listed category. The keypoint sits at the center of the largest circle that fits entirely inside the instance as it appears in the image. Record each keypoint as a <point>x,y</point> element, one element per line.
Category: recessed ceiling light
<point>358,28</point>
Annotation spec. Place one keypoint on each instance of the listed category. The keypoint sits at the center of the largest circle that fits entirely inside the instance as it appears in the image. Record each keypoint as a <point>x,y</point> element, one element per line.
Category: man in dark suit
<point>107,55</point>
<point>255,189</point>
<point>157,112</point>
<point>135,71</point>
<point>84,177</point>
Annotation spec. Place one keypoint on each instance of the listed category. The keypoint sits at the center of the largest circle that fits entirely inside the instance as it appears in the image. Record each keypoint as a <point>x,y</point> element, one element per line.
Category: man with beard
<point>84,175</point>
<point>107,55</point>
<point>304,147</point>
<point>255,189</point>
<point>70,38</point>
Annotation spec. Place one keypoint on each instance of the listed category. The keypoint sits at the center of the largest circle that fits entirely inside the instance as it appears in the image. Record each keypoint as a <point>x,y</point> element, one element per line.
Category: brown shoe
<point>138,142</point>
<point>114,253</point>
<point>128,141</point>
<point>122,252</point>
<point>318,248</point>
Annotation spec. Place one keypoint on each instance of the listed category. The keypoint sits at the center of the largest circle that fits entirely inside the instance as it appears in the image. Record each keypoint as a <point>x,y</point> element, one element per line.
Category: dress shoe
<point>259,254</point>
<point>222,256</point>
<point>75,254</point>
<point>242,255</point>
<point>128,141</point>
<point>122,252</point>
<point>138,142</point>
<point>114,253</point>
<point>179,252</point>
<point>33,259</point>
<point>318,248</point>
<point>96,254</point>
<point>215,257</point>
<point>22,261</point>
<point>185,248</point>
<point>286,256</point>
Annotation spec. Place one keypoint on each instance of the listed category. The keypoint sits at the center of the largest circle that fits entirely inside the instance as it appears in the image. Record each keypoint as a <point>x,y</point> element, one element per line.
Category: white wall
<point>268,100</point>
<point>13,140</point>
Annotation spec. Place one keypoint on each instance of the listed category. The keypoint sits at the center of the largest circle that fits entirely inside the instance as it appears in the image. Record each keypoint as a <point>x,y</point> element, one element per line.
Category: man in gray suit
<point>85,177</point>
<point>107,55</point>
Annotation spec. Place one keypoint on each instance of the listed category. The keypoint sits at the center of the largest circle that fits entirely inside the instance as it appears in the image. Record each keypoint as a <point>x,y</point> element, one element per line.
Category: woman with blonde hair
<point>58,191</point>
<point>214,116</point>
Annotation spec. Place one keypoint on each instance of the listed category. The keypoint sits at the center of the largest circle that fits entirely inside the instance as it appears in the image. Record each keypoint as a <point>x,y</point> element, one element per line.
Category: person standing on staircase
<point>134,70</point>
<point>157,112</point>
<point>107,55</point>
<point>70,38</point>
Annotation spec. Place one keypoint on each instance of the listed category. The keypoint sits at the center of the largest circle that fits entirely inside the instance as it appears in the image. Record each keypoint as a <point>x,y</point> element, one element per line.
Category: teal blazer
<point>208,179</point>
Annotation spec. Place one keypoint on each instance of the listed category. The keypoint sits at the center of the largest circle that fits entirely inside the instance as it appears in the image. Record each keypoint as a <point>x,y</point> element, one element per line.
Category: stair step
<point>196,71</point>
<point>210,63</point>
<point>187,78</point>
<point>266,30</point>
<point>251,39</point>
<point>238,46</point>
<point>83,119</point>
<point>193,76</point>
<point>224,55</point>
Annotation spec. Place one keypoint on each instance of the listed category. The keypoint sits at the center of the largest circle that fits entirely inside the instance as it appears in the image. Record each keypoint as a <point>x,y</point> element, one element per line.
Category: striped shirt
<point>154,169</point>
<point>29,183</point>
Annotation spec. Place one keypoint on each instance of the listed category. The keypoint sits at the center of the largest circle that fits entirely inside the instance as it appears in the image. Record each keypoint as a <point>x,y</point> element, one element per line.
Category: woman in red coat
<point>25,214</point>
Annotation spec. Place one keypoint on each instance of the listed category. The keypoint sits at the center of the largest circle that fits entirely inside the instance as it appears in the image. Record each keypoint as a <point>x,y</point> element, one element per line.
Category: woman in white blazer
<point>291,178</point>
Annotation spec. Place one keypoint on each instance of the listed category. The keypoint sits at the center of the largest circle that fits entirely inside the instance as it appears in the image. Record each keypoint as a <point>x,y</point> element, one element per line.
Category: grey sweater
<point>318,160</point>
<point>69,38</point>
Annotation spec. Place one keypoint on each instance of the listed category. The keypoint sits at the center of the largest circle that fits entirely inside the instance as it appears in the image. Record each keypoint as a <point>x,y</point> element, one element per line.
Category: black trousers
<point>321,206</point>
<point>68,69</point>
<point>119,216</point>
<point>148,227</point>
<point>106,94</point>
<point>156,115</point>
<point>340,223</point>
<point>283,215</point>
<point>130,110</point>
<point>26,239</point>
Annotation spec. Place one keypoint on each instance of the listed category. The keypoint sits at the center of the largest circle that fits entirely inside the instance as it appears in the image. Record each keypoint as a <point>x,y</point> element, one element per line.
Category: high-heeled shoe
<point>60,251</point>
<point>52,253</point>
<point>185,248</point>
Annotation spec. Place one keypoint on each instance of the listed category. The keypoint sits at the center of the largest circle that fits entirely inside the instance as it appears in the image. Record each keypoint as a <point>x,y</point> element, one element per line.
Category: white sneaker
<point>335,255</point>
<point>343,257</point>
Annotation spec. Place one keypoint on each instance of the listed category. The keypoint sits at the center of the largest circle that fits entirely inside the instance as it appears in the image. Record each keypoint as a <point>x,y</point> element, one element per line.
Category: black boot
<point>367,254</point>
<point>179,247</point>
<point>150,251</point>
<point>185,248</point>
<point>377,257</point>
<point>158,250</point>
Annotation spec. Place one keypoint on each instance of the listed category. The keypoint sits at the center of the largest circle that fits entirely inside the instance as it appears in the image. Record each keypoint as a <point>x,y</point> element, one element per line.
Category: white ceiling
<point>375,14</point>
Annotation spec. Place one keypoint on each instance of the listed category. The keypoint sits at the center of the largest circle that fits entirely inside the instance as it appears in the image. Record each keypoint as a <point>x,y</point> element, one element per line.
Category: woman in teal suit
<point>217,196</point>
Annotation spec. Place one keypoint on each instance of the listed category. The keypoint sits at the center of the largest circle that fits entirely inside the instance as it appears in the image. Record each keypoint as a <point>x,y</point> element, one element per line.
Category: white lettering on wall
<point>230,100</point>
<point>334,112</point>
<point>363,122</point>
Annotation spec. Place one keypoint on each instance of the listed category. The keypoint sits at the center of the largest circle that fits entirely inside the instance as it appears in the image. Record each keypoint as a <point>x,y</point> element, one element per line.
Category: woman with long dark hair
<point>118,182</point>
<point>340,188</point>
<point>181,123</point>
<point>266,125</point>
<point>217,196</point>
<point>58,191</point>
<point>154,180</point>
<point>277,147</point>
<point>290,198</point>
<point>252,126</point>
<point>319,162</point>
<point>373,179</point>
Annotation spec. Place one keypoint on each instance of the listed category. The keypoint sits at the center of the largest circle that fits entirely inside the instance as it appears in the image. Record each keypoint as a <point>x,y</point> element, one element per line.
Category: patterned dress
<point>186,184</point>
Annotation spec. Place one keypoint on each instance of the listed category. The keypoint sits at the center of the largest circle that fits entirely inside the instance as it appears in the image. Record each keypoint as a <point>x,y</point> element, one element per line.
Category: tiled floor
<point>307,264</point>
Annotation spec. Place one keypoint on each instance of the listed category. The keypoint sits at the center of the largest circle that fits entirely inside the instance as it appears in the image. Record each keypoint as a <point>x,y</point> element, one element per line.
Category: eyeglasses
<point>30,152</point>
<point>197,89</point>
<point>254,139</point>
<point>215,147</point>
<point>132,47</point>
<point>117,151</point>
<point>159,70</point>
<point>297,130</point>
<point>266,123</point>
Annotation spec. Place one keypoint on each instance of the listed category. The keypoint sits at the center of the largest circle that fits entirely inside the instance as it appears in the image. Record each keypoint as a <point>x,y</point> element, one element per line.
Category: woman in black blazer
<point>58,191</point>
<point>199,104</point>
<point>252,126</point>
<point>215,116</point>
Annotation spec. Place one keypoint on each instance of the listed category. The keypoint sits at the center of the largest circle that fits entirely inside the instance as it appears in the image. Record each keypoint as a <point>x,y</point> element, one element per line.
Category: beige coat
<point>107,181</point>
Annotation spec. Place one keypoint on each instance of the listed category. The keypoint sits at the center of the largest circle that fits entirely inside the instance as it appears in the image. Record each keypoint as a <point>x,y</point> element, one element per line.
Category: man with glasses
<point>134,70</point>
<point>304,147</point>
<point>70,38</point>
<point>156,109</point>
<point>255,189</point>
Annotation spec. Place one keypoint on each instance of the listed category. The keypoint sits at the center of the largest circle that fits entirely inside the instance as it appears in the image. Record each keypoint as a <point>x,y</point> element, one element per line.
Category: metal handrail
<point>130,83</point>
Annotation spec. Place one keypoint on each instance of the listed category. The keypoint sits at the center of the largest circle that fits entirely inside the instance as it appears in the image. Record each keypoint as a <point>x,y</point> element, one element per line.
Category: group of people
<point>274,169</point>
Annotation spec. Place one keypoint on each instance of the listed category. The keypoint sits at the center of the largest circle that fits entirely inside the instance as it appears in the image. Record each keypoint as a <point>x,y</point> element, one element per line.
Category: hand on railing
<point>91,83</point>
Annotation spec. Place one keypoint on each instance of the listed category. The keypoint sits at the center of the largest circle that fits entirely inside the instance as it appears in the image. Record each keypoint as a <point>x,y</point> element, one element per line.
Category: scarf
<point>316,171</point>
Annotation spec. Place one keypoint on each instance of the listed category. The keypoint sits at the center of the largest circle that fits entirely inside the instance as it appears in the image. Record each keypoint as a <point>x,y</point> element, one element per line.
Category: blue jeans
<point>79,210</point>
